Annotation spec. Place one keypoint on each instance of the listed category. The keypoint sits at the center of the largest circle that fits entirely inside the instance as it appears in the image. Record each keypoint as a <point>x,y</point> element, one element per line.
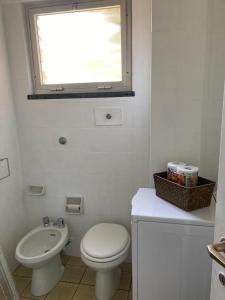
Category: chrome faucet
<point>46,221</point>
<point>60,222</point>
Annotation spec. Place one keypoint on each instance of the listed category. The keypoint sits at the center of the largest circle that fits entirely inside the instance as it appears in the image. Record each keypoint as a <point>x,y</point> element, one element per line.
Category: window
<point>80,47</point>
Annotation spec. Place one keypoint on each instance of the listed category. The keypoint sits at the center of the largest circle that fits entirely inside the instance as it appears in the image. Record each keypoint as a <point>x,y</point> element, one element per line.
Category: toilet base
<point>47,276</point>
<point>107,283</point>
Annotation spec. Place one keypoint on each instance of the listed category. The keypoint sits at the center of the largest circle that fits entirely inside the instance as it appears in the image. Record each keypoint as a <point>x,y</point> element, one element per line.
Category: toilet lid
<point>105,240</point>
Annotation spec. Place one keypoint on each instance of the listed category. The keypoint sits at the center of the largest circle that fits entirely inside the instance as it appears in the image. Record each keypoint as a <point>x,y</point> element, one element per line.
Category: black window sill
<point>81,95</point>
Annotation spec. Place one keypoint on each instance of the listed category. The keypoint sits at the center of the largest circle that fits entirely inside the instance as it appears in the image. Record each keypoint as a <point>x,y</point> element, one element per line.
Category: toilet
<point>103,248</point>
<point>40,250</point>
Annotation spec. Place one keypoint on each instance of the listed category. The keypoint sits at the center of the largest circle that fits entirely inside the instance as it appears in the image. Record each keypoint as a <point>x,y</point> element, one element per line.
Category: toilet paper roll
<point>172,170</point>
<point>187,175</point>
<point>73,208</point>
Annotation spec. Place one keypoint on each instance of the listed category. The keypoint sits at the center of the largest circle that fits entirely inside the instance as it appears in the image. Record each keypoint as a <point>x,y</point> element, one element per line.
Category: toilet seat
<point>105,242</point>
<point>103,249</point>
<point>105,260</point>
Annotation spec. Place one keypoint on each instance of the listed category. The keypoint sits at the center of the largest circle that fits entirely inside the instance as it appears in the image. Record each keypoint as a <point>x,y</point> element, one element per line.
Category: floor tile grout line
<point>85,270</point>
<point>24,289</point>
<point>82,283</point>
<point>75,291</point>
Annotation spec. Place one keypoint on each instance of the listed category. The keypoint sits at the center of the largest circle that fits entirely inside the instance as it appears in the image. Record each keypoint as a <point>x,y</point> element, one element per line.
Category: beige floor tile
<point>76,261</point>
<point>89,277</point>
<point>23,271</point>
<point>73,274</point>
<point>27,294</point>
<point>125,281</point>
<point>21,283</point>
<point>126,267</point>
<point>85,292</point>
<point>65,259</point>
<point>120,295</point>
<point>63,291</point>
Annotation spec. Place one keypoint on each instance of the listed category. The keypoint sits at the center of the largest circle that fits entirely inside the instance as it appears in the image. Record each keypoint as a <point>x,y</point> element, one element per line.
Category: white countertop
<point>147,206</point>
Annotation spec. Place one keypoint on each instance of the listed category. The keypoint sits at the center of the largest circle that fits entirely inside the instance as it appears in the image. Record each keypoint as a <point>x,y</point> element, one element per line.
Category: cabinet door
<point>173,263</point>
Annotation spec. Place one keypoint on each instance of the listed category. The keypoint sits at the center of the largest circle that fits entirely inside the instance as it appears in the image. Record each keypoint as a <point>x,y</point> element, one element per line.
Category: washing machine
<point>169,254</point>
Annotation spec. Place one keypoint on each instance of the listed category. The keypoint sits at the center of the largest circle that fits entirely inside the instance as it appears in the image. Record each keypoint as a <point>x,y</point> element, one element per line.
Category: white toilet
<point>103,248</point>
<point>40,250</point>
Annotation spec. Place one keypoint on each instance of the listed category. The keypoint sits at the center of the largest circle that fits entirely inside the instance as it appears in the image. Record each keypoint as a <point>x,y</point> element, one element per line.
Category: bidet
<point>40,250</point>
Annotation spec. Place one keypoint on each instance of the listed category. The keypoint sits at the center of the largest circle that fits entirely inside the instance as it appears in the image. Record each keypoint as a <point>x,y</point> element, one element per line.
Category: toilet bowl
<point>40,251</point>
<point>103,248</point>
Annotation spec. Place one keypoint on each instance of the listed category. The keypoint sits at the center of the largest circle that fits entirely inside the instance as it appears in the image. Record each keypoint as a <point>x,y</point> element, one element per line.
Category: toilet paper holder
<point>74,205</point>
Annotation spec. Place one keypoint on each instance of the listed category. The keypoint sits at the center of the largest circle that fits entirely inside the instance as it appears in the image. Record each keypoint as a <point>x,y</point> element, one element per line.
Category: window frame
<point>34,8</point>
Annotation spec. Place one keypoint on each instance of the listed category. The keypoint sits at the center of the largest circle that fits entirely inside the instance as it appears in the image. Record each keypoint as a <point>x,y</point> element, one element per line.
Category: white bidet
<point>40,250</point>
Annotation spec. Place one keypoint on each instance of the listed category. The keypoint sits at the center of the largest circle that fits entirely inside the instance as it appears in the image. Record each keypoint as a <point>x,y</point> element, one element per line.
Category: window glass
<point>80,46</point>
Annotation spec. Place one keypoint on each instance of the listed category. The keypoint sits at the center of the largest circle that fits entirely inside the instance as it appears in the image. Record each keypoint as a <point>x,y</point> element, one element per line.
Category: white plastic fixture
<point>36,190</point>
<point>39,250</point>
<point>108,116</point>
<point>75,205</point>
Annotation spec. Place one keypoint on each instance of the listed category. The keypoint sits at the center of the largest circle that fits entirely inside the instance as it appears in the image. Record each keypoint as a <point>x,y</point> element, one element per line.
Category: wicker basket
<point>187,198</point>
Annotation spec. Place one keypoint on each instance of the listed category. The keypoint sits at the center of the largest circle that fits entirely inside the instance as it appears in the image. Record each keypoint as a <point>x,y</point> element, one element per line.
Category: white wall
<point>108,164</point>
<point>217,289</point>
<point>187,82</point>
<point>214,86</point>
<point>12,213</point>
<point>179,32</point>
<point>104,164</point>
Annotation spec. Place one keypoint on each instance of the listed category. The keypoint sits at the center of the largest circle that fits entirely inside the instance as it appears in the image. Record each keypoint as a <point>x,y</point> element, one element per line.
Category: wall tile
<point>178,15</point>
<point>104,164</point>
<point>12,213</point>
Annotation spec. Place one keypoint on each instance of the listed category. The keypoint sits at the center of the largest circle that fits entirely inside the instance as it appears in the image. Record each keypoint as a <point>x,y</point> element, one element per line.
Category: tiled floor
<point>77,282</point>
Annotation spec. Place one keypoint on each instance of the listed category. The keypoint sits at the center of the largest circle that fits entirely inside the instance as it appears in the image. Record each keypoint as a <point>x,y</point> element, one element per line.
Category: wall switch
<point>4,168</point>
<point>108,116</point>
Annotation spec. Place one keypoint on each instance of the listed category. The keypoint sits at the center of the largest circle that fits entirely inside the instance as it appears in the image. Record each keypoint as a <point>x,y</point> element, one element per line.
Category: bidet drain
<point>47,250</point>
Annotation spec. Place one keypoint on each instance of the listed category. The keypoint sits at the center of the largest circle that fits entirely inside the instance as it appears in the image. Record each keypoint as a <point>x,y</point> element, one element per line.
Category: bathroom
<point>173,111</point>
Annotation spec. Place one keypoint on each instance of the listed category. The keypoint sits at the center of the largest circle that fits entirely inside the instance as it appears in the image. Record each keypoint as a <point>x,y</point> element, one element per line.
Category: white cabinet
<point>170,260</point>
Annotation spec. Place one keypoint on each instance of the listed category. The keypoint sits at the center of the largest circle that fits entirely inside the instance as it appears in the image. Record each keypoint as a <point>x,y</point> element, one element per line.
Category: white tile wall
<point>179,37</point>
<point>108,164</point>
<point>104,164</point>
<point>217,289</point>
<point>12,213</point>
<point>214,86</point>
<point>188,70</point>
<point>176,15</point>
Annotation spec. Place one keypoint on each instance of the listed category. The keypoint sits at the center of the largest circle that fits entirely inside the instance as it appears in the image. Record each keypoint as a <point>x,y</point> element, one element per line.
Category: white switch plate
<point>4,168</point>
<point>108,116</point>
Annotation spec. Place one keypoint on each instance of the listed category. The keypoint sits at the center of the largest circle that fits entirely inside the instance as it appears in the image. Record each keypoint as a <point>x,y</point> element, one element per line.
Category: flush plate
<point>108,116</point>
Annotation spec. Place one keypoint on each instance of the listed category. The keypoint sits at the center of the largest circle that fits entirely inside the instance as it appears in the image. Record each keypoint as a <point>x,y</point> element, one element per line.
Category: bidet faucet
<point>46,221</point>
<point>60,222</point>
